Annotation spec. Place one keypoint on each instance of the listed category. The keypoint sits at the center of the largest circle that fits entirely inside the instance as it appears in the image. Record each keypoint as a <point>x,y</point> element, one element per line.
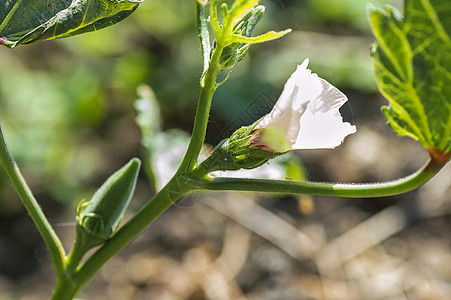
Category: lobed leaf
<point>412,59</point>
<point>26,21</point>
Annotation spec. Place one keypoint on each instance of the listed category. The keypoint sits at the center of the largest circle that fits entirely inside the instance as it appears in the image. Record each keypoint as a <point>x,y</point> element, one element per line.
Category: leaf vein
<point>436,21</point>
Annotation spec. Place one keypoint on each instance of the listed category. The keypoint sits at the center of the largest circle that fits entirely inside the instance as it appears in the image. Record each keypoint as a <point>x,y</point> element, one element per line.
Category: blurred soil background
<point>67,108</point>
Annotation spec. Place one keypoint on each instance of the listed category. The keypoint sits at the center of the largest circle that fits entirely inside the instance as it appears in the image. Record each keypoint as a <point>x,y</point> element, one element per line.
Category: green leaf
<point>26,21</point>
<point>239,8</point>
<point>148,118</point>
<point>412,59</point>
<point>204,34</point>
<point>269,36</point>
<point>148,114</point>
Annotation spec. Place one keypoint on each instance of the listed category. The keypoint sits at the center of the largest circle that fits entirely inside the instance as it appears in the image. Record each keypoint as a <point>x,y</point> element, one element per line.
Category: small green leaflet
<point>412,58</point>
<point>26,21</point>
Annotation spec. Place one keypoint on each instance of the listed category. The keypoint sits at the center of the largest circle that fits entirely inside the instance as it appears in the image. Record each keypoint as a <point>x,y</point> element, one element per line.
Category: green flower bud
<point>99,217</point>
<point>235,52</point>
<point>237,152</point>
<point>244,154</point>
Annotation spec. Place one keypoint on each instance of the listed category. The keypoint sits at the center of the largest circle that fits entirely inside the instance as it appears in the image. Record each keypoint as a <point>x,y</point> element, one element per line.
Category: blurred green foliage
<point>67,105</point>
<point>346,11</point>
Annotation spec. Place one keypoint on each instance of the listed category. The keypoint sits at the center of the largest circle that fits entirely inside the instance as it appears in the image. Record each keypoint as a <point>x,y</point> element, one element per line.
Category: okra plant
<point>412,63</point>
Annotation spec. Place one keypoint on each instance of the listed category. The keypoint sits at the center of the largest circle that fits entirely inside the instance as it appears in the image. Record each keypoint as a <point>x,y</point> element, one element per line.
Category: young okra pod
<point>100,216</point>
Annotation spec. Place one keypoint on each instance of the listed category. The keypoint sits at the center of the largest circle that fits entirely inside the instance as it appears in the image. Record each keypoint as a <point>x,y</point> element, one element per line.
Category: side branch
<point>45,229</point>
<point>365,190</point>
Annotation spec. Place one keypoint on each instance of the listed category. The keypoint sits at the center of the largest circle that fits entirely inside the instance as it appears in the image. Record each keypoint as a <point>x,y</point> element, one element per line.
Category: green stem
<point>81,245</point>
<point>154,208</point>
<point>64,290</point>
<point>50,238</point>
<point>76,254</point>
<point>202,112</point>
<point>367,190</point>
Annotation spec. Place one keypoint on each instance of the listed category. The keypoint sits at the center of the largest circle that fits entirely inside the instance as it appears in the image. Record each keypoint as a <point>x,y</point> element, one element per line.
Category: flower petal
<point>307,113</point>
<point>321,125</point>
<point>322,131</point>
<point>292,103</point>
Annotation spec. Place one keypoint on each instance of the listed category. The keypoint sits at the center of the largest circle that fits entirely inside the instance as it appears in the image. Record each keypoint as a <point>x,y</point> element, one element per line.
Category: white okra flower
<point>306,116</point>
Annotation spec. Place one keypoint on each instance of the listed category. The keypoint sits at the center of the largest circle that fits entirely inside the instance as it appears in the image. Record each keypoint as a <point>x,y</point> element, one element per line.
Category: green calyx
<point>245,156</point>
<point>237,152</point>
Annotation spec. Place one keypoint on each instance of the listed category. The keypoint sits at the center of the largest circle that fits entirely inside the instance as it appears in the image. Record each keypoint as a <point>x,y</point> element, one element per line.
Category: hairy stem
<point>50,238</point>
<point>202,112</point>
<point>367,190</point>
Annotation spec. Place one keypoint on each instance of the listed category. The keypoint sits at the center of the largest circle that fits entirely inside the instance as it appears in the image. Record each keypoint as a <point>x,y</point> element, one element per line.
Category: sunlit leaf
<point>269,36</point>
<point>26,21</point>
<point>412,58</point>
